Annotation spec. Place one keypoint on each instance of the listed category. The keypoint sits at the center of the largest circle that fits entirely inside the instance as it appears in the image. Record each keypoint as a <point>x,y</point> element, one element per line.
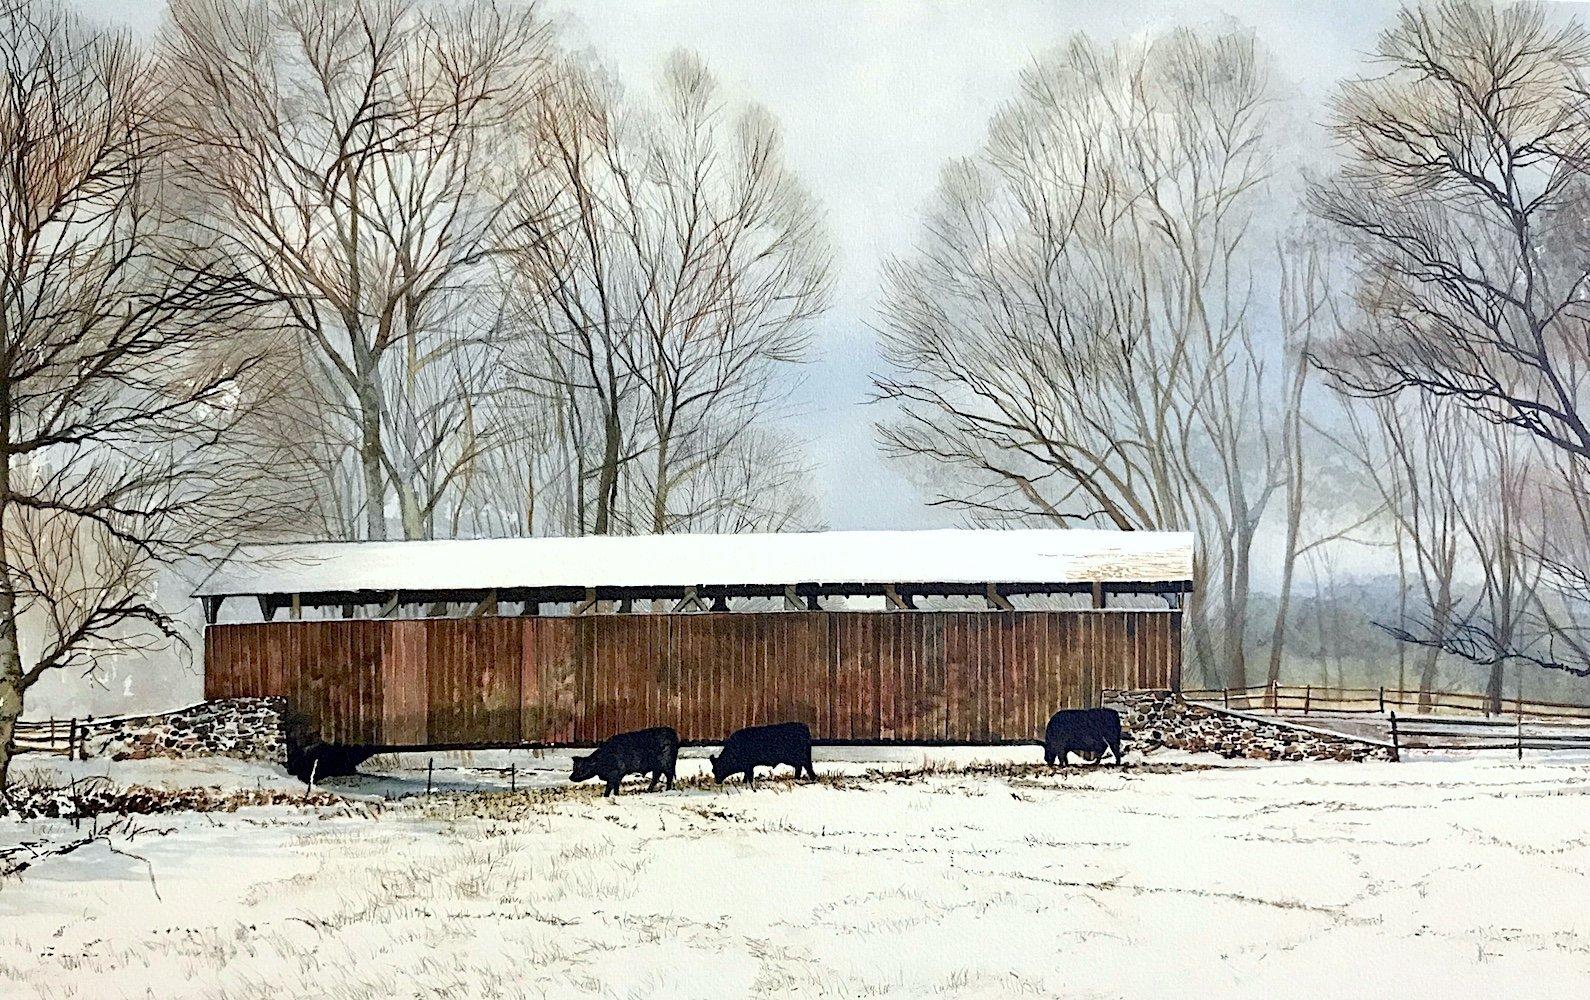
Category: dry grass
<point>39,797</point>
<point>541,801</point>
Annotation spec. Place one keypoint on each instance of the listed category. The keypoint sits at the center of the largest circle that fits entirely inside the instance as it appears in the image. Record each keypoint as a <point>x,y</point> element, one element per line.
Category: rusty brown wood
<point>904,676</point>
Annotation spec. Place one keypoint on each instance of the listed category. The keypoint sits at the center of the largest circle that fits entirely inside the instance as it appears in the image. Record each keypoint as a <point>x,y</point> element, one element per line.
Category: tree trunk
<point>607,481</point>
<point>11,679</point>
<point>1494,683</point>
<point>415,526</point>
<point>1282,612</point>
<point>1236,616</point>
<point>1402,616</point>
<point>1427,678</point>
<point>370,465</point>
<point>1493,689</point>
<point>659,505</point>
<point>529,527</point>
<point>10,682</point>
<point>1294,520</point>
<point>1441,622</point>
<point>1196,626</point>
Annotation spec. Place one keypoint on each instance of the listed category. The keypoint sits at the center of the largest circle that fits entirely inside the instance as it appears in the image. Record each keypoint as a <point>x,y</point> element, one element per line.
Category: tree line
<point>1139,305</point>
<point>371,269</point>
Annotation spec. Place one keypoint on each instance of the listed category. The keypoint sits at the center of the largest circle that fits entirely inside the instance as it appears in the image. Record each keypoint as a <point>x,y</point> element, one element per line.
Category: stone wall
<point>1155,719</point>
<point>247,728</point>
<point>254,729</point>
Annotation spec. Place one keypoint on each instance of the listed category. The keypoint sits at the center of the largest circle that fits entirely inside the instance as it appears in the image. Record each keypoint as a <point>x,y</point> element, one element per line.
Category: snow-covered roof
<point>948,556</point>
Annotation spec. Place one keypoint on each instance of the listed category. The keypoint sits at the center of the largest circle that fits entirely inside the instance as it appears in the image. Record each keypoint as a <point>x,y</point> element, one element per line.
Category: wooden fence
<point>909,676</point>
<point>65,736</point>
<point>1307,699</point>
<point>1428,733</point>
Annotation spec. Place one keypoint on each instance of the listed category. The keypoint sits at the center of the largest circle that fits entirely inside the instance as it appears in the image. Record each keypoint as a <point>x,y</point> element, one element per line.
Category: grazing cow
<point>1082,731</point>
<point>769,746</point>
<point>645,751</point>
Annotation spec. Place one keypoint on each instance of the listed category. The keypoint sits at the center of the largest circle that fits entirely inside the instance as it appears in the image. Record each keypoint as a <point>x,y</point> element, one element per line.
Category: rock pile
<point>248,728</point>
<point>1155,719</point>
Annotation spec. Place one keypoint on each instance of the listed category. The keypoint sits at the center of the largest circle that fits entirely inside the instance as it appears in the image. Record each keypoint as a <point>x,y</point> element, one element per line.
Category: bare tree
<point>756,481</point>
<point>1416,458</point>
<point>521,484</point>
<point>667,265</point>
<point>1502,495</point>
<point>1462,197</point>
<point>1075,334</point>
<point>125,401</point>
<point>443,395</point>
<point>357,151</point>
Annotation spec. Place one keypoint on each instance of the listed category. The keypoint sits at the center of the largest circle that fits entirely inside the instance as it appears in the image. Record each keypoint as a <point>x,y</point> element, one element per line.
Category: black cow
<point>1082,731</point>
<point>768,746</point>
<point>645,751</point>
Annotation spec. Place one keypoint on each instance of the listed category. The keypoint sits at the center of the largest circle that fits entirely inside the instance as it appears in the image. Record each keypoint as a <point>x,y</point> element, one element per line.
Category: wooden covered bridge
<point>972,636</point>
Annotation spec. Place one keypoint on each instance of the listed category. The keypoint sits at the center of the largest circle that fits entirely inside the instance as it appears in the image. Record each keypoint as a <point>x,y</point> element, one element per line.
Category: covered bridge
<point>504,642</point>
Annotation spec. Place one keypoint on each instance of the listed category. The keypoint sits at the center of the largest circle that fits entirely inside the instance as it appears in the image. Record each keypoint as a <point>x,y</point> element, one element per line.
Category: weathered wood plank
<point>902,676</point>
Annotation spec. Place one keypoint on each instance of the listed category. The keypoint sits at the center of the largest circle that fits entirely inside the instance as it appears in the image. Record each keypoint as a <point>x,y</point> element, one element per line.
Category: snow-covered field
<point>1176,876</point>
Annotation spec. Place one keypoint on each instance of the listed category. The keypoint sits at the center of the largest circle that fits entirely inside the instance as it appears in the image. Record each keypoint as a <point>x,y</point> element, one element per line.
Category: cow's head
<point>584,768</point>
<point>720,768</point>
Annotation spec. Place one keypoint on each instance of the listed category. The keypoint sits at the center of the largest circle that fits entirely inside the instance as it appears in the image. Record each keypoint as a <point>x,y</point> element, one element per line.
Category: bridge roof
<point>1068,559</point>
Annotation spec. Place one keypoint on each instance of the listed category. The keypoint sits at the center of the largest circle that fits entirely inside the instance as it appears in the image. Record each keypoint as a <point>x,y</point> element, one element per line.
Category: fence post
<point>1275,696</point>
<point>430,768</point>
<point>1520,736</point>
<point>1225,697</point>
<point>1308,693</point>
<point>1396,744</point>
<point>82,747</point>
<point>1382,699</point>
<point>512,782</point>
<point>71,739</point>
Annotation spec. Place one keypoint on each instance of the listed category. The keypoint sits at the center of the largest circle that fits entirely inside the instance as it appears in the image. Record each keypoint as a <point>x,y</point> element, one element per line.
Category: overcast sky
<point>873,98</point>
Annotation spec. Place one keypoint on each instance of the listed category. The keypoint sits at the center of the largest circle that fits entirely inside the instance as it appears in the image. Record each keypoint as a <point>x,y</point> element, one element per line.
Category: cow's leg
<point>1115,745</point>
<point>612,787</point>
<point>656,776</point>
<point>750,776</point>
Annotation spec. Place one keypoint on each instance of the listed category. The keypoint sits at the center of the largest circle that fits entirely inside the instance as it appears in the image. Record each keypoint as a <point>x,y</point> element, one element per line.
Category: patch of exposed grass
<point>34,797</point>
<point>546,801</point>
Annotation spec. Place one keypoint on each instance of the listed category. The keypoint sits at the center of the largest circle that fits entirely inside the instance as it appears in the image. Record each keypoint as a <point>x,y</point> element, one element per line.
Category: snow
<point>964,556</point>
<point>1178,876</point>
<point>224,773</point>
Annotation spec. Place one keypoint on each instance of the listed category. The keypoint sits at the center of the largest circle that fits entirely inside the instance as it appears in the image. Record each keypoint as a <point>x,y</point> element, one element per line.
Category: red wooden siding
<point>912,677</point>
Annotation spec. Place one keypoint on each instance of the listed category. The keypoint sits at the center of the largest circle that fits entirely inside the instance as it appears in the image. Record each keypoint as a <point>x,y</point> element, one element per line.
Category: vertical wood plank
<point>532,721</point>
<point>903,676</point>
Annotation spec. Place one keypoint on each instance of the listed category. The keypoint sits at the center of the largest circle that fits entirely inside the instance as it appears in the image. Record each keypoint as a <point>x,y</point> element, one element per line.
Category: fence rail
<point>1440,720</point>
<point>1309,699</point>
<point>64,736</point>
<point>1484,734</point>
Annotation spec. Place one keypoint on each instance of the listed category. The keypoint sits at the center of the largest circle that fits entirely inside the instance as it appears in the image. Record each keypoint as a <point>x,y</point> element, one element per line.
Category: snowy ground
<point>1429,878</point>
